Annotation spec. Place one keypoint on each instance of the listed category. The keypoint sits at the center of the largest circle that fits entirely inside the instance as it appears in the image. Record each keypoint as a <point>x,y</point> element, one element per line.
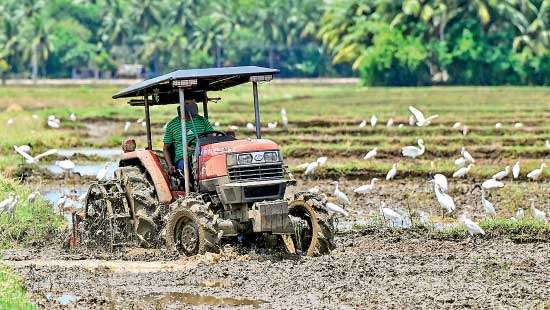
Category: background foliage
<point>386,42</point>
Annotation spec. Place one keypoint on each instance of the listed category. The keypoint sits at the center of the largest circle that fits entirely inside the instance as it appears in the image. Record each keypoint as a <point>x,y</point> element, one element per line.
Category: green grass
<point>12,294</point>
<point>31,223</point>
<point>525,230</point>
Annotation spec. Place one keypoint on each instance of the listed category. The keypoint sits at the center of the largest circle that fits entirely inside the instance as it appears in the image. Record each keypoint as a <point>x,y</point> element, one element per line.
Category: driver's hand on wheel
<point>171,169</point>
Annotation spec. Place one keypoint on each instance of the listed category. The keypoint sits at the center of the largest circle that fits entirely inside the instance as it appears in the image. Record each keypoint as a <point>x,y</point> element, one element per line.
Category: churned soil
<point>377,268</point>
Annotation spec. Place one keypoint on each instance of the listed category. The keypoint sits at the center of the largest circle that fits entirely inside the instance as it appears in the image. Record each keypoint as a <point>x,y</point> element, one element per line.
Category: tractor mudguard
<point>150,161</point>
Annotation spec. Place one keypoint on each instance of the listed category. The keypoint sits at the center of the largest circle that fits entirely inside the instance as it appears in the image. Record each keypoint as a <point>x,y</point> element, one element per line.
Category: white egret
<point>340,196</point>
<point>465,130</point>
<point>502,174</point>
<point>32,196</point>
<point>272,125</point>
<point>460,162</point>
<point>515,170</point>
<point>72,117</point>
<point>424,218</point>
<point>520,214</point>
<point>472,227</point>
<point>9,205</point>
<point>539,215</point>
<point>217,124</point>
<point>441,181</point>
<point>139,120</point>
<point>7,201</point>
<point>311,167</point>
<point>34,116</point>
<point>66,165</point>
<point>412,120</point>
<point>102,173</point>
<point>250,126</point>
<point>389,123</point>
<point>30,159</point>
<point>332,207</point>
<point>491,183</point>
<point>391,215</point>
<point>373,120</point>
<point>535,174</point>
<point>23,148</point>
<point>322,160</point>
<point>362,124</point>
<point>457,125</point>
<point>53,123</point>
<point>467,156</point>
<point>10,122</point>
<point>421,121</point>
<point>401,126</point>
<point>518,125</point>
<point>445,201</point>
<point>462,171</point>
<point>413,151</point>
<point>367,188</point>
<point>143,124</point>
<point>498,125</point>
<point>371,154</point>
<point>547,144</point>
<point>488,206</point>
<point>127,126</point>
<point>301,166</point>
<point>393,171</point>
<point>233,127</point>
<point>284,118</point>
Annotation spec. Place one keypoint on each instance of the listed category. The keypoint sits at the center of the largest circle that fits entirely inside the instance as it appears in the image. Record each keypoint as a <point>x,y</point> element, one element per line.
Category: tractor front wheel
<point>314,234</point>
<point>189,229</point>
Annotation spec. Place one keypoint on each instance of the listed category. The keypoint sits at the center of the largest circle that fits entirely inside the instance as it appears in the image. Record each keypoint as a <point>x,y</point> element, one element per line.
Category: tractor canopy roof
<point>196,82</point>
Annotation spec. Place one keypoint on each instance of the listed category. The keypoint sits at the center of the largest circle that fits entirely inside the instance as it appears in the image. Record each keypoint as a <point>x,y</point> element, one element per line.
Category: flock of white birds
<point>440,184</point>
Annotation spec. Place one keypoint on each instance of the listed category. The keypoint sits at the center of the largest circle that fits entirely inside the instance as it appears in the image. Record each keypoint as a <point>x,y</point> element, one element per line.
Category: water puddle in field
<point>65,200</point>
<point>174,298</point>
<point>64,300</point>
<point>87,170</point>
<point>105,152</point>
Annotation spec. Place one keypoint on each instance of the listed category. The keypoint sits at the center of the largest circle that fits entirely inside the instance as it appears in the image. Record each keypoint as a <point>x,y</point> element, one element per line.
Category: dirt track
<point>369,270</point>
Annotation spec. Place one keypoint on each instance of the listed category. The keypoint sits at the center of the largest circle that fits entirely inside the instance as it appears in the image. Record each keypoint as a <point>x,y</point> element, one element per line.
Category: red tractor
<point>231,188</point>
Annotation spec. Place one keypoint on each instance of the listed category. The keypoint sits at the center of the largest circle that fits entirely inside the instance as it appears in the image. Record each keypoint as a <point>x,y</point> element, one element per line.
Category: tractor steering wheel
<point>215,133</point>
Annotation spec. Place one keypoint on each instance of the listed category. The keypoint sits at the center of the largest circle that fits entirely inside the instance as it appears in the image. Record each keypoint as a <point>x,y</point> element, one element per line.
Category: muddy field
<point>369,269</point>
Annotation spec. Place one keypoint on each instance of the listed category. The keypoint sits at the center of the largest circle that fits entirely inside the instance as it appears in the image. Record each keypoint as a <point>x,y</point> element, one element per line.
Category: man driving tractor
<point>195,124</point>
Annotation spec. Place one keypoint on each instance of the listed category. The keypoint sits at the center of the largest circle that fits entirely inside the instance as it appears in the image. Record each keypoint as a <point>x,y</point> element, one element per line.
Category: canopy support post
<point>184,140</point>
<point>205,106</point>
<point>147,122</point>
<point>256,109</point>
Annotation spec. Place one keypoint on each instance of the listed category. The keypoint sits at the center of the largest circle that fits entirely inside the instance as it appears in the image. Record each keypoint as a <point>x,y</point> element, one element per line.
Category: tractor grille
<point>256,172</point>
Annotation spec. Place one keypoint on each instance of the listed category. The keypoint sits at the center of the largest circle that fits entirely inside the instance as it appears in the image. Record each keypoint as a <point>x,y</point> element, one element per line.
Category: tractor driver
<point>172,136</point>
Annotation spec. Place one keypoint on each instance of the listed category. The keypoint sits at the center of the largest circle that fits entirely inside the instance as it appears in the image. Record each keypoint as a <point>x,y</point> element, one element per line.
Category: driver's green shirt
<point>173,132</point>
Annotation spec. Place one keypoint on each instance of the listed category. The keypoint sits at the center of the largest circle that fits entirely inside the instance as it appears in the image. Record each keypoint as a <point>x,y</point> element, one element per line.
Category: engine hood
<point>238,146</point>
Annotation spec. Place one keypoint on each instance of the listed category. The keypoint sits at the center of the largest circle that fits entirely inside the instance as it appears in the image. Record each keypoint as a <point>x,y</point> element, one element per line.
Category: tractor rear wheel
<point>190,228</point>
<point>314,235</point>
<point>143,203</point>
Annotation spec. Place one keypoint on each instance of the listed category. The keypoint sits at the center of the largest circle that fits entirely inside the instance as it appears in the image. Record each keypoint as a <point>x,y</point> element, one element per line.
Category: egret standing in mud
<point>538,214</point>
<point>373,120</point>
<point>311,167</point>
<point>102,173</point>
<point>487,205</point>
<point>535,174</point>
<point>367,188</point>
<point>391,174</point>
<point>413,151</point>
<point>445,201</point>
<point>334,208</point>
<point>8,205</point>
<point>441,181</point>
<point>67,166</point>
<point>491,183</point>
<point>284,118</point>
<point>502,174</point>
<point>471,226</point>
<point>389,214</point>
<point>462,172</point>
<point>515,170</point>
<point>340,196</point>
<point>371,154</point>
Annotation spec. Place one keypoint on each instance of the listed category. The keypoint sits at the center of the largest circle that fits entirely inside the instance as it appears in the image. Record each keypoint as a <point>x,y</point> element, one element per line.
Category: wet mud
<point>369,269</point>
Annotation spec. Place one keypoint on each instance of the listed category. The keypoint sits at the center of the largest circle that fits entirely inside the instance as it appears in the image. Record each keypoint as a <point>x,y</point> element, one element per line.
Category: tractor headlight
<point>244,159</point>
<point>231,159</point>
<point>271,157</point>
